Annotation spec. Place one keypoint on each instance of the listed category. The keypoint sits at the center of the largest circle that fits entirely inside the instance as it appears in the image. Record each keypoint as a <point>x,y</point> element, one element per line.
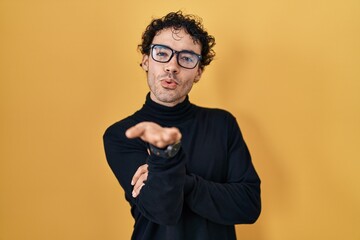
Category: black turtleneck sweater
<point>199,194</point>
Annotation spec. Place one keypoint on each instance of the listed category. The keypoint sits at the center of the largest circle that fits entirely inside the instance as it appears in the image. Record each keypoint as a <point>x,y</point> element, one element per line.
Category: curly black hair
<point>177,20</point>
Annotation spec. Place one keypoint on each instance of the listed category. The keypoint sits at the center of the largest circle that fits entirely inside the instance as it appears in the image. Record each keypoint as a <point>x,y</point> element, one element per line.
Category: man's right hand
<point>154,134</point>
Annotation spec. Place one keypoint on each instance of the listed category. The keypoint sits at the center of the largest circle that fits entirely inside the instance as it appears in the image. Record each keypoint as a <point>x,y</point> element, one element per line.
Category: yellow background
<point>288,70</point>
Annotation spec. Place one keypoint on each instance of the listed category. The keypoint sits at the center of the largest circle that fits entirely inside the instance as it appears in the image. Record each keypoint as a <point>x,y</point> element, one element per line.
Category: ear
<point>145,62</point>
<point>198,75</point>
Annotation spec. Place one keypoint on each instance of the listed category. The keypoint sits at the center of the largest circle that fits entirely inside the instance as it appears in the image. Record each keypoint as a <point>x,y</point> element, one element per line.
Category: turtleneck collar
<point>164,115</point>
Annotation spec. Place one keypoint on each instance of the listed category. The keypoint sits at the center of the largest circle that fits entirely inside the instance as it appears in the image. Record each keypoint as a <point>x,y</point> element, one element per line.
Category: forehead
<point>177,39</point>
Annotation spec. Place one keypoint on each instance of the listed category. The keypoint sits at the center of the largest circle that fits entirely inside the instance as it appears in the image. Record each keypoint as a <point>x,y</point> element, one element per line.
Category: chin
<point>167,96</point>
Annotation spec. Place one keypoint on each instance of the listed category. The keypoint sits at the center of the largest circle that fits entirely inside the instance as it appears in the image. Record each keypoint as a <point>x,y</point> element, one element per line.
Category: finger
<point>142,169</point>
<point>167,137</point>
<point>154,138</point>
<point>136,192</point>
<point>135,131</point>
<point>142,179</point>
<point>174,135</point>
<point>178,136</point>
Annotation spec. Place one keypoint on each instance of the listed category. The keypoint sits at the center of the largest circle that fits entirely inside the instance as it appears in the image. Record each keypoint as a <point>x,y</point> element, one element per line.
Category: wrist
<point>167,152</point>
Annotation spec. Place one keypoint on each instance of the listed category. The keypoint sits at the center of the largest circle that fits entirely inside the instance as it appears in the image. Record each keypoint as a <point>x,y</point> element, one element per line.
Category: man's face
<point>169,82</point>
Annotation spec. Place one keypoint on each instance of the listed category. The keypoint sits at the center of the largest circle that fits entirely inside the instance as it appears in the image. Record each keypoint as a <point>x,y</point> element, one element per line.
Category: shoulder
<point>216,114</point>
<point>220,119</point>
<point>117,129</point>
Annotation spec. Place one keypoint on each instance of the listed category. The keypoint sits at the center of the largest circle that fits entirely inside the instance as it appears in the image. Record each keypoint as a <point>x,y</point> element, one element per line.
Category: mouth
<point>169,83</point>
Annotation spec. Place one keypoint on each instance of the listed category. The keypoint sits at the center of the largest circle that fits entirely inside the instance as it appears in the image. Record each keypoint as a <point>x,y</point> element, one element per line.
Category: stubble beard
<point>169,97</point>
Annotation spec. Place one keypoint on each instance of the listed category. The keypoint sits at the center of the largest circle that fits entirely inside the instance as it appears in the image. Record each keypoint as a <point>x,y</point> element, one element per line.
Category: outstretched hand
<point>154,134</point>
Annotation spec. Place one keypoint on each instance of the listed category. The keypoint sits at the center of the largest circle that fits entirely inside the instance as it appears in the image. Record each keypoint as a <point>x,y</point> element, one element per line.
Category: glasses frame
<point>173,52</point>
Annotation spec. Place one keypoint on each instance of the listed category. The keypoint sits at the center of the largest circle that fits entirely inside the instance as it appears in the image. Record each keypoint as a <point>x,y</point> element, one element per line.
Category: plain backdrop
<point>288,70</point>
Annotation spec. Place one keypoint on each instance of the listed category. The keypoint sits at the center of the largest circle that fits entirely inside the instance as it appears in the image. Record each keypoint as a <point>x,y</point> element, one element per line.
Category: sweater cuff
<point>157,163</point>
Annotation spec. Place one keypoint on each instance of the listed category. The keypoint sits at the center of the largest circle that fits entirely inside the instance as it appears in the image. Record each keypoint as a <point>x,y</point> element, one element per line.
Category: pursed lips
<point>169,83</point>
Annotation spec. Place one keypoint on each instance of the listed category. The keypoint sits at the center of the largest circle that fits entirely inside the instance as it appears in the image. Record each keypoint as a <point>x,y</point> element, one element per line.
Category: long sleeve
<point>234,200</point>
<point>209,186</point>
<point>161,199</point>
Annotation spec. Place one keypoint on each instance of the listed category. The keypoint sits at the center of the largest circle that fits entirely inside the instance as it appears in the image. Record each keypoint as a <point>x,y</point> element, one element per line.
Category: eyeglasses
<point>163,54</point>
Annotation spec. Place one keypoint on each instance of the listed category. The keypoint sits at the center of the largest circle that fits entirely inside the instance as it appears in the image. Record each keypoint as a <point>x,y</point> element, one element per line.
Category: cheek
<point>151,78</point>
<point>154,71</point>
<point>192,78</point>
<point>187,85</point>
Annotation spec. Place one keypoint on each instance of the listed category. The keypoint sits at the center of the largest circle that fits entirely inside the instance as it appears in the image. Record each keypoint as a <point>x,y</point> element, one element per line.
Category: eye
<point>187,57</point>
<point>161,53</point>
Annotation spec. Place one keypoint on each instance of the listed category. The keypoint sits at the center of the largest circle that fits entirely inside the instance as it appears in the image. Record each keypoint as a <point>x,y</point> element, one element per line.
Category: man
<point>185,169</point>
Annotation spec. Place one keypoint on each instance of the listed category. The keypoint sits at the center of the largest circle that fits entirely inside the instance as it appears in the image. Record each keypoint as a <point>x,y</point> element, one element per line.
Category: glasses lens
<point>185,59</point>
<point>161,53</point>
<point>188,59</point>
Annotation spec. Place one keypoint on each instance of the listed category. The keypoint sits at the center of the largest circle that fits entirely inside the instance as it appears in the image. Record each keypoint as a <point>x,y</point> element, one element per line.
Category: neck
<point>164,115</point>
<point>164,103</point>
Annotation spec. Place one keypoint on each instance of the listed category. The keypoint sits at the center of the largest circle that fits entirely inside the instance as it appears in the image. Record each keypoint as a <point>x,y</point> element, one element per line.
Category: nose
<point>172,66</point>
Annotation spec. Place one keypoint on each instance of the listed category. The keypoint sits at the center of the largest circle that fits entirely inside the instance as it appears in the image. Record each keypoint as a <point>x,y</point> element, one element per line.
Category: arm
<point>161,198</point>
<point>237,199</point>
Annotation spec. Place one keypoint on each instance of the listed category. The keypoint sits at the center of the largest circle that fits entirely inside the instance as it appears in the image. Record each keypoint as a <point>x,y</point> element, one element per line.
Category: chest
<point>206,149</point>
